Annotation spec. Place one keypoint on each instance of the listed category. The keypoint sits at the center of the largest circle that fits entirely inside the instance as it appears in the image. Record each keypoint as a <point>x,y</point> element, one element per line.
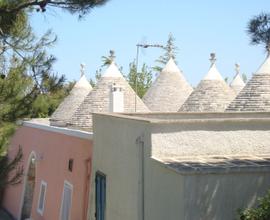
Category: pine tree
<point>94,81</point>
<point>144,78</point>
<point>170,52</point>
<point>244,77</point>
<point>11,9</point>
<point>28,86</point>
<point>259,30</point>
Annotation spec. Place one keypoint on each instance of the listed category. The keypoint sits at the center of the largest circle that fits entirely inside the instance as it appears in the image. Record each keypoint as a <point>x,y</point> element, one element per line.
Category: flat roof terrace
<point>160,116</point>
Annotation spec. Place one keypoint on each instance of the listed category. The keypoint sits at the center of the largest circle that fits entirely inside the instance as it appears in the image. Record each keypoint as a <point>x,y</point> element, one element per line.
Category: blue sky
<point>200,27</point>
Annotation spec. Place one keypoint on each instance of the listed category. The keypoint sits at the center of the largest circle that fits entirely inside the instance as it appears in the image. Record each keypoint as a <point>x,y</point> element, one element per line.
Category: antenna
<point>137,61</point>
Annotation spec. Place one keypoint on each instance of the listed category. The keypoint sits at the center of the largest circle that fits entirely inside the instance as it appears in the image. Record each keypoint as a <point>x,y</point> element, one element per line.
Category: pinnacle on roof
<point>213,73</point>
<point>255,96</point>
<point>171,67</point>
<point>169,91</point>
<point>99,99</point>
<point>112,71</point>
<point>237,84</point>
<point>66,109</point>
<point>211,95</point>
<point>82,83</point>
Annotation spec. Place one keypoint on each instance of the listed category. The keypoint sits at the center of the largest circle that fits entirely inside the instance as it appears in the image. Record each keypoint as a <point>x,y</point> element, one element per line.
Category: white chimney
<point>116,99</point>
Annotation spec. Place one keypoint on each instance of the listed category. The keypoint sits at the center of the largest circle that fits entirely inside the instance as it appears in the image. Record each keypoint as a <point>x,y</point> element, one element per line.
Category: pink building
<point>57,167</point>
<point>57,164</point>
<point>58,152</point>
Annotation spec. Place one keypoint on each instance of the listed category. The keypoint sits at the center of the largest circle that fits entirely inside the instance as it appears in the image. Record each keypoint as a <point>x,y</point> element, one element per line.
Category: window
<point>66,201</point>
<point>42,196</point>
<point>100,196</point>
<point>70,165</point>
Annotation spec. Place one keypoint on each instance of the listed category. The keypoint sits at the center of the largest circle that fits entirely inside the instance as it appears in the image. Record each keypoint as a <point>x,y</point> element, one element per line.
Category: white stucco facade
<point>142,157</point>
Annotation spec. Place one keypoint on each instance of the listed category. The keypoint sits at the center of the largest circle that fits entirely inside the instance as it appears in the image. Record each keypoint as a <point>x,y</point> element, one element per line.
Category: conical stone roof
<point>169,91</point>
<point>98,100</point>
<point>255,96</point>
<point>211,95</point>
<point>67,108</point>
<point>237,84</point>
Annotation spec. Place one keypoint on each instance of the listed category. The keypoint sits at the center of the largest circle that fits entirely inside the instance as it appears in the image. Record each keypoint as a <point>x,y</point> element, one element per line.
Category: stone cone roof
<point>237,84</point>
<point>169,91</point>
<point>211,95</point>
<point>255,96</point>
<point>98,100</point>
<point>62,115</point>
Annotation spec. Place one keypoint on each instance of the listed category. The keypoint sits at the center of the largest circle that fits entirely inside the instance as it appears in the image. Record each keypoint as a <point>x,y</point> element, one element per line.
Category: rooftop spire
<point>82,65</point>
<point>213,73</point>
<point>212,58</point>
<point>237,68</point>
<point>237,84</point>
<point>112,55</point>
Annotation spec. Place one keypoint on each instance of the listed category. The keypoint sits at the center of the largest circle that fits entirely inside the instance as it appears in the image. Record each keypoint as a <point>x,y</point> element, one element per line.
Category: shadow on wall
<point>219,196</point>
<point>4,215</point>
<point>29,188</point>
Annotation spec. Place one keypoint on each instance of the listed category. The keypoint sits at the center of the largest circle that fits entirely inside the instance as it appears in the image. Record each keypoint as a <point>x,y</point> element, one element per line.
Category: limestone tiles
<point>71,103</point>
<point>255,96</point>
<point>98,100</point>
<point>169,91</point>
<point>237,84</point>
<point>211,95</point>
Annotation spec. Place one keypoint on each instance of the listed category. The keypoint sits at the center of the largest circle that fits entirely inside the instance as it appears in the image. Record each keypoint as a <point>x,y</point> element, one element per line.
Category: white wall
<point>218,196</point>
<point>169,194</point>
<point>118,156</point>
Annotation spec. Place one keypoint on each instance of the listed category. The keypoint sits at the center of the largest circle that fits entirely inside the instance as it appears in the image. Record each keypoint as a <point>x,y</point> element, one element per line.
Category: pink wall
<point>56,149</point>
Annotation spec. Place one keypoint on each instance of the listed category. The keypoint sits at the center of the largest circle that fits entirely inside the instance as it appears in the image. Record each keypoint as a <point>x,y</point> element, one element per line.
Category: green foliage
<point>259,29</point>
<point>261,212</point>
<point>144,79</point>
<point>170,52</point>
<point>81,7</point>
<point>6,130</point>
<point>9,22</point>
<point>106,61</point>
<point>244,77</point>
<point>10,169</point>
<point>94,81</point>
<point>28,86</point>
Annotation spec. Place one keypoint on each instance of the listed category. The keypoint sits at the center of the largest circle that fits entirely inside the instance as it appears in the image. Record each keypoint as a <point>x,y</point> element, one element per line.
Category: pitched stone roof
<point>169,91</point>
<point>255,96</point>
<point>67,108</point>
<point>98,100</point>
<point>237,84</point>
<point>211,95</point>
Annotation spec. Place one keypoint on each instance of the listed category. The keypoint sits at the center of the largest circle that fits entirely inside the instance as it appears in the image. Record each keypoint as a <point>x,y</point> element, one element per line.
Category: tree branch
<point>23,6</point>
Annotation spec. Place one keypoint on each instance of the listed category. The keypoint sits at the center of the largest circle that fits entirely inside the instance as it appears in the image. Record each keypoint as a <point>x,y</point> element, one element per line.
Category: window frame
<point>104,177</point>
<point>41,211</point>
<point>66,183</point>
